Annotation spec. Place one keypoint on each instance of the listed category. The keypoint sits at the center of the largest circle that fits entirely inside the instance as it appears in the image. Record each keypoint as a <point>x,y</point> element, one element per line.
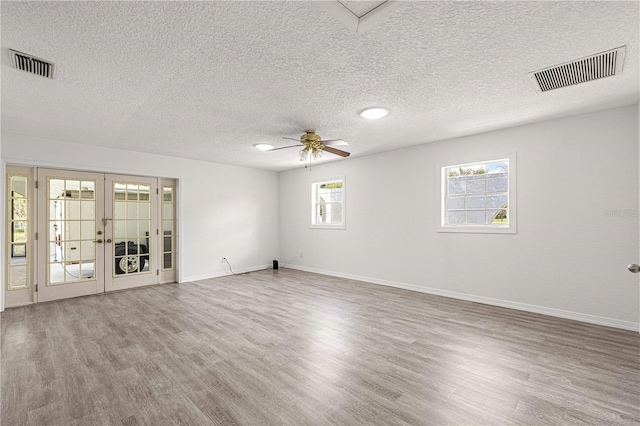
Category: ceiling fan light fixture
<point>263,146</point>
<point>374,113</point>
<point>313,147</point>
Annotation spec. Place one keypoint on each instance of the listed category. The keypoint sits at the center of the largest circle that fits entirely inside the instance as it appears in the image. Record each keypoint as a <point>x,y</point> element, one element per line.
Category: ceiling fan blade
<point>335,142</point>
<point>336,151</point>
<point>283,147</point>
<point>291,139</point>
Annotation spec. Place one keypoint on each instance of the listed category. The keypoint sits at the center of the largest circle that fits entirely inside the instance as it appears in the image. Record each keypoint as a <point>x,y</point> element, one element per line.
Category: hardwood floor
<point>292,348</point>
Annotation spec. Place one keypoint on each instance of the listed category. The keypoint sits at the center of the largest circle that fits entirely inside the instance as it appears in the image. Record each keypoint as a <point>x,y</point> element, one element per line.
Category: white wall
<point>3,232</point>
<point>222,210</point>
<point>568,258</point>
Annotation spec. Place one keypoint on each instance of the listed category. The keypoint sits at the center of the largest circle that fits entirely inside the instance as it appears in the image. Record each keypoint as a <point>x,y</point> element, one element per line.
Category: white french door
<point>100,233</point>
<point>70,234</point>
<point>131,232</point>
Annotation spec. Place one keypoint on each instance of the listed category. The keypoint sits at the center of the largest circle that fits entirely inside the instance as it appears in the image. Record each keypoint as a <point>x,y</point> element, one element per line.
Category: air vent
<point>28,63</point>
<point>600,65</point>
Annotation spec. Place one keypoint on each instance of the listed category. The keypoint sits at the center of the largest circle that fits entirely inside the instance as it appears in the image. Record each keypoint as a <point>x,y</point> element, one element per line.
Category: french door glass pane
<point>131,228</point>
<point>71,251</point>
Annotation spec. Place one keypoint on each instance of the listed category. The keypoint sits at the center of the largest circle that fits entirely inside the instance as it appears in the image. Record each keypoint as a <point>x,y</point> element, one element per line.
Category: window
<point>18,230</point>
<point>328,204</point>
<point>479,197</point>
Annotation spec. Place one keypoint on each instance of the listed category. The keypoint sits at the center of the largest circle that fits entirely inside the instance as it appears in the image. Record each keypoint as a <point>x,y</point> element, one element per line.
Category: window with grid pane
<point>478,196</point>
<point>328,203</point>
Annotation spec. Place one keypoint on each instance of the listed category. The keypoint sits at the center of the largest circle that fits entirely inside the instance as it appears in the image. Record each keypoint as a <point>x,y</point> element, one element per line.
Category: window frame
<point>313,189</point>
<point>510,228</point>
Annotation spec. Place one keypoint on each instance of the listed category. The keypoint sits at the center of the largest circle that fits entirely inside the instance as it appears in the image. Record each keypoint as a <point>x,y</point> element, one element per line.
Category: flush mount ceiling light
<point>263,146</point>
<point>374,113</point>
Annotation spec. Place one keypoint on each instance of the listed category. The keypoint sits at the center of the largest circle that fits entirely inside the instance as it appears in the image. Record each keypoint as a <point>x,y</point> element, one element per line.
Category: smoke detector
<point>31,64</point>
<point>600,65</point>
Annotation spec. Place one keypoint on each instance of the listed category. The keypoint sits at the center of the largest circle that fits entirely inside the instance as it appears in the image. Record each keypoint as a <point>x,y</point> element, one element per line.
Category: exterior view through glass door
<point>95,233</point>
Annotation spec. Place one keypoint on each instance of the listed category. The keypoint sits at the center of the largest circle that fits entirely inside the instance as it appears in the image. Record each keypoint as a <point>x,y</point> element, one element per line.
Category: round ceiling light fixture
<point>263,146</point>
<point>374,113</point>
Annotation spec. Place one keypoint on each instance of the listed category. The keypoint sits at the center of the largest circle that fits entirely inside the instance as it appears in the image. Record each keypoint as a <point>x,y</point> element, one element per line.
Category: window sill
<point>327,227</point>
<point>477,230</point>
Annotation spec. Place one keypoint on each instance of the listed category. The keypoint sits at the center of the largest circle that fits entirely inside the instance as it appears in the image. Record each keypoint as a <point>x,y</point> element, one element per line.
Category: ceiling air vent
<point>600,65</point>
<point>28,63</point>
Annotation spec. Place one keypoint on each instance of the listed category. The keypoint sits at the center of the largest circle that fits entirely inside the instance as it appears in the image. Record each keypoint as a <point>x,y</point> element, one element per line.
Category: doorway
<point>94,233</point>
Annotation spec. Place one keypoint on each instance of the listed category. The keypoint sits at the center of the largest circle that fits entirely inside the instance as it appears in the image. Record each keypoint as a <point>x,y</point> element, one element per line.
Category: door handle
<point>97,241</point>
<point>109,240</point>
<point>634,268</point>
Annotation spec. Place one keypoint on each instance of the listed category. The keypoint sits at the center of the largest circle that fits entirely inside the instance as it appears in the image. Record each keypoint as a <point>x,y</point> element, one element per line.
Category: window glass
<point>328,204</point>
<point>168,226</point>
<point>18,230</point>
<point>477,195</point>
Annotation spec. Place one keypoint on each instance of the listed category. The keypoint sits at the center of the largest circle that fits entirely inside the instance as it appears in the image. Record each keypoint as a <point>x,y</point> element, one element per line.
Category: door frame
<point>11,162</point>
<point>27,295</point>
<point>168,275</point>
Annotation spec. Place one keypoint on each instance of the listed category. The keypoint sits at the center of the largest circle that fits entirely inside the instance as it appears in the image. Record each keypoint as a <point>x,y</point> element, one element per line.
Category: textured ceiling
<point>360,8</point>
<point>207,80</point>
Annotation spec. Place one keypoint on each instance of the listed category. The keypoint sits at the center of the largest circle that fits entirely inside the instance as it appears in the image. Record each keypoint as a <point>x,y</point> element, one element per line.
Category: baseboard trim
<point>576,316</point>
<point>224,274</point>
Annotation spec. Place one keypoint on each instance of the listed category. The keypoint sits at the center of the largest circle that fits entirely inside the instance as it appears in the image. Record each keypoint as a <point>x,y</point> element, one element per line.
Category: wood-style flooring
<point>287,347</point>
